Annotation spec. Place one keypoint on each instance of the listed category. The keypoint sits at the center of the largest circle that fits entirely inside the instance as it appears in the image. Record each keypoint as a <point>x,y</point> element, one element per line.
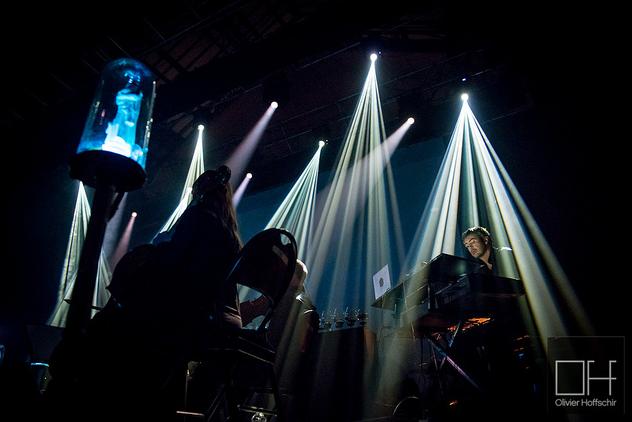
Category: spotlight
<point>249,175</point>
<point>274,104</point>
<point>134,214</point>
<point>464,97</point>
<point>410,121</point>
<point>321,144</point>
<point>463,79</point>
<point>373,57</point>
<point>200,127</point>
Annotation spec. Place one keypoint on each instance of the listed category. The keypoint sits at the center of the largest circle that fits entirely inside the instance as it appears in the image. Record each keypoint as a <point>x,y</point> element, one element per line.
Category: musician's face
<point>475,245</point>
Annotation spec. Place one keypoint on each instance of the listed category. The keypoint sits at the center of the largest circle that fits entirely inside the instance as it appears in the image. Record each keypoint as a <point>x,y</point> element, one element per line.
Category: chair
<point>266,265</point>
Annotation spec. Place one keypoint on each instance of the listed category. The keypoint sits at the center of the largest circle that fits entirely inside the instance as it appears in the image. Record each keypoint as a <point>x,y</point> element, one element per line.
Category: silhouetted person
<point>133,361</point>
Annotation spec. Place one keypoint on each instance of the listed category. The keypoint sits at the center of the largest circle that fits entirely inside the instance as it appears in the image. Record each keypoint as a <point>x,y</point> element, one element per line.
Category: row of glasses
<point>331,318</point>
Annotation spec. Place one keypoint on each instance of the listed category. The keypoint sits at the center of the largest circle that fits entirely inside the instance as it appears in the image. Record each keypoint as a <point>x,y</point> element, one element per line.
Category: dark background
<point>548,102</point>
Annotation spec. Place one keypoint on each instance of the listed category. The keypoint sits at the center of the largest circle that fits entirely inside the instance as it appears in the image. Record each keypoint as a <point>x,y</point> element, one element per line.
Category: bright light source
<point>296,212</point>
<point>464,97</point>
<point>134,214</point>
<point>274,104</point>
<point>352,234</point>
<point>410,121</point>
<point>249,175</point>
<point>470,162</point>
<point>463,79</point>
<point>321,144</point>
<point>196,168</point>
<point>373,57</point>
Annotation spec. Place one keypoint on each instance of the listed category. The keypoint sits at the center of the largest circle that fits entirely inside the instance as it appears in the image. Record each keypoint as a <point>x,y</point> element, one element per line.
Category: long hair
<point>212,191</point>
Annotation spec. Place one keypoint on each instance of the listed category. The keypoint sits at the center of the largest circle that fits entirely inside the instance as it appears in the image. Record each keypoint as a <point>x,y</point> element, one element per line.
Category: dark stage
<point>544,84</point>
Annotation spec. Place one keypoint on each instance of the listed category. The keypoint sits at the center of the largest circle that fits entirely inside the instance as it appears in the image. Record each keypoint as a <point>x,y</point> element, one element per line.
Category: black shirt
<point>494,255</point>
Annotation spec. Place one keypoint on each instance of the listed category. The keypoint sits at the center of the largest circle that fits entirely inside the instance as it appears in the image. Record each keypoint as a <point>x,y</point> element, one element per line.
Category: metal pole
<point>83,291</point>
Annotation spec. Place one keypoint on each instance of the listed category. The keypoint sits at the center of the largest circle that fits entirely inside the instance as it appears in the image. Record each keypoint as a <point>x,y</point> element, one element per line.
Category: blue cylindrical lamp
<point>114,144</point>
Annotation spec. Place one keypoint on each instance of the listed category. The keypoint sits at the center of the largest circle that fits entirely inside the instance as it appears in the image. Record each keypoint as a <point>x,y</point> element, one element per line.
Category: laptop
<point>381,282</point>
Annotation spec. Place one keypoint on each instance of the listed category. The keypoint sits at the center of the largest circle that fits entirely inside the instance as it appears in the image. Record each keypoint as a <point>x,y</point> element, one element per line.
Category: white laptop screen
<point>381,281</point>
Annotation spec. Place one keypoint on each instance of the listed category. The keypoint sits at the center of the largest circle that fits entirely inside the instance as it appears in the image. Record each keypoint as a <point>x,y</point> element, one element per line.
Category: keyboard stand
<point>443,352</point>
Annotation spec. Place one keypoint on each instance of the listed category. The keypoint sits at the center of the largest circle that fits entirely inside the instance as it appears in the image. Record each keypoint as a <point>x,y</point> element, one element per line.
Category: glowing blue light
<point>120,115</point>
<point>121,132</point>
